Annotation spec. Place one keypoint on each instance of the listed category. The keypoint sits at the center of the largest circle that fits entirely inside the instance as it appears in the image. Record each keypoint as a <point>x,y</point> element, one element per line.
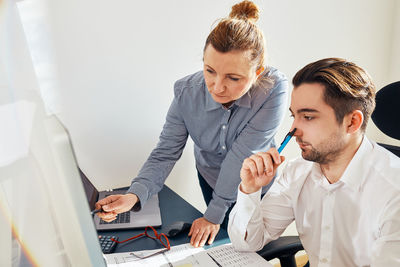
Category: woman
<point>231,110</point>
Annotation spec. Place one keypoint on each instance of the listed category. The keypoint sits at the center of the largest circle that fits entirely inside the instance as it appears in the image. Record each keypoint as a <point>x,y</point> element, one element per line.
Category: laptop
<point>149,214</point>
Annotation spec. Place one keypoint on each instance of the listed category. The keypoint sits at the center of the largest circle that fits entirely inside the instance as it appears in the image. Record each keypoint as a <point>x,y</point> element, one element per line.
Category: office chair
<point>387,118</point>
<point>284,248</point>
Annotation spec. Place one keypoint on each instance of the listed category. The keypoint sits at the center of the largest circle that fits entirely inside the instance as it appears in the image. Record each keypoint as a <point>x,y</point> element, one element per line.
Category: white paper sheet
<point>226,255</point>
<point>187,256</point>
<point>177,256</point>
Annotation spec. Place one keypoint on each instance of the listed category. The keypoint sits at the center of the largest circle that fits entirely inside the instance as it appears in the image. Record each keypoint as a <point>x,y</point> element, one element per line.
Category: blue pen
<point>286,140</point>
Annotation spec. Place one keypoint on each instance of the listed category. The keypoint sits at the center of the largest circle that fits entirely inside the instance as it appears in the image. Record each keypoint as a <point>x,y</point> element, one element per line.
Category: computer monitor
<point>44,214</point>
<point>71,187</point>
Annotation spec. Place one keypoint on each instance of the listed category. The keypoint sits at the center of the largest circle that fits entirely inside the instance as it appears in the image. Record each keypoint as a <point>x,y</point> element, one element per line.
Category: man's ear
<point>354,121</point>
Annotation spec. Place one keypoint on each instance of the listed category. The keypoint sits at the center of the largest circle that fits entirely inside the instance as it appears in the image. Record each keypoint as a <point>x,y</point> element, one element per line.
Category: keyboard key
<point>106,244</point>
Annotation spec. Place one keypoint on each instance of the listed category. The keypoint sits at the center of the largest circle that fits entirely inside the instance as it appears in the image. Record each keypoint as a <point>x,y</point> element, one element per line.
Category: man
<point>344,193</point>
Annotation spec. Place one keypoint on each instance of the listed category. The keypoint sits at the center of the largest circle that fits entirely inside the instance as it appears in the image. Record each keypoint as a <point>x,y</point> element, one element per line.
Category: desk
<point>173,208</point>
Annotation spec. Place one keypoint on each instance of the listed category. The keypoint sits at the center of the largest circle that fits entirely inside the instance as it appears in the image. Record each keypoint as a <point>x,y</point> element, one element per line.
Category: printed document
<point>187,256</point>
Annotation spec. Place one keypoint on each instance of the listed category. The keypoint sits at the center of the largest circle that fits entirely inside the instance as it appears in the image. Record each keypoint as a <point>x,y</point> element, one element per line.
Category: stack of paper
<point>187,256</point>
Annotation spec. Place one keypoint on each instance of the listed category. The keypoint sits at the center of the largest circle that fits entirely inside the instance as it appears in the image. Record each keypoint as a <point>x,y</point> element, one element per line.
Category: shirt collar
<point>354,175</point>
<point>244,101</point>
<point>210,103</point>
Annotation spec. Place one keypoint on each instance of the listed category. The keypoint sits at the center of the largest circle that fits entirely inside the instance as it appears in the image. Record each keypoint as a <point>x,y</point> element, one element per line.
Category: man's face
<point>320,137</point>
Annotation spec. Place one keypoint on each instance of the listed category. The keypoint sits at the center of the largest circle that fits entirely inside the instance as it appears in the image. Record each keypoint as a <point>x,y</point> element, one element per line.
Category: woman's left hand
<point>201,231</point>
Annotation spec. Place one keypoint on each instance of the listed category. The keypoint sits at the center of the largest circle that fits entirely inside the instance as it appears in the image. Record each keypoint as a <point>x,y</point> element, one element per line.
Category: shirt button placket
<point>326,229</point>
<point>223,132</point>
<point>324,260</point>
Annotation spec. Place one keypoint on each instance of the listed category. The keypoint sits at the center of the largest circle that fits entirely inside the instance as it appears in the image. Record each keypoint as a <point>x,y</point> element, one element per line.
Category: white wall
<point>395,51</point>
<point>117,62</point>
<point>393,69</point>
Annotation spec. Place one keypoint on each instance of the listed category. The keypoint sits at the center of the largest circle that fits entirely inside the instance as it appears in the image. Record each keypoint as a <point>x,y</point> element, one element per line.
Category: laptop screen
<point>91,192</point>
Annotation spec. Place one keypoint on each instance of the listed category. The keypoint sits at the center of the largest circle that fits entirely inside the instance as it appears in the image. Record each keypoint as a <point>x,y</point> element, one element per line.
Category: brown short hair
<point>347,86</point>
<point>239,32</point>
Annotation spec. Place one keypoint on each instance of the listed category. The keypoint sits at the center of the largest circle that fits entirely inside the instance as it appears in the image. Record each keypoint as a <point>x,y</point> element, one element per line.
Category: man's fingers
<point>268,163</point>
<point>282,159</point>
<point>258,160</point>
<point>277,163</point>
<point>250,165</point>
<point>275,156</point>
<point>272,160</point>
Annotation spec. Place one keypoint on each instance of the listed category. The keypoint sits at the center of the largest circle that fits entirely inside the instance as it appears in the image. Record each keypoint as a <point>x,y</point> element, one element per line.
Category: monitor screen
<point>44,214</point>
<point>74,215</point>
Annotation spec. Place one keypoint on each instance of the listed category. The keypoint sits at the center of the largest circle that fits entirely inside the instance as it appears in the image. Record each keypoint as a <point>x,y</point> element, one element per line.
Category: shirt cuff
<point>215,213</point>
<point>141,192</point>
<point>246,204</point>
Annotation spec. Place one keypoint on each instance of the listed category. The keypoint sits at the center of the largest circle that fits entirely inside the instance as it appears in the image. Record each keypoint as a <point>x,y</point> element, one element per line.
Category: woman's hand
<point>201,231</point>
<point>115,204</point>
<point>259,169</point>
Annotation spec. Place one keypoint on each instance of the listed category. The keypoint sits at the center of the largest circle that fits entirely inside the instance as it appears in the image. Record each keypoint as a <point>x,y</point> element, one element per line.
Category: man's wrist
<point>248,190</point>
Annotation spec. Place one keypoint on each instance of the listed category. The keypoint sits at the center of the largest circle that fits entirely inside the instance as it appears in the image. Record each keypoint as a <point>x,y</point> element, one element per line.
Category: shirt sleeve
<point>386,248</point>
<point>254,222</point>
<point>162,159</point>
<point>257,135</point>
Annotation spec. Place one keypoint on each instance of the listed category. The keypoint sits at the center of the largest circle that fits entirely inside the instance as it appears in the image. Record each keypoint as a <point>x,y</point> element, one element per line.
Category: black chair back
<point>386,115</point>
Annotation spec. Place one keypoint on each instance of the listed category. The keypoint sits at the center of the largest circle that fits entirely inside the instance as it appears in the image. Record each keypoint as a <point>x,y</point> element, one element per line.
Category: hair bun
<point>245,10</point>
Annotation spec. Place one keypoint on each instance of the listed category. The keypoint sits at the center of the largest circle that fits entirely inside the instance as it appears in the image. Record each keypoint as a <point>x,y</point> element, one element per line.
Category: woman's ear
<point>354,121</point>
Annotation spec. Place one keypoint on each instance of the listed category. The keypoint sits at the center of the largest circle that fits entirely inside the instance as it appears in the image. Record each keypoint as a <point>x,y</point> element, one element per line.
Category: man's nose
<point>298,131</point>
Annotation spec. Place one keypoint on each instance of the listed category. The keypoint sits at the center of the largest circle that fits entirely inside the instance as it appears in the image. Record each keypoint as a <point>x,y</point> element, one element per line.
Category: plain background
<point>108,67</point>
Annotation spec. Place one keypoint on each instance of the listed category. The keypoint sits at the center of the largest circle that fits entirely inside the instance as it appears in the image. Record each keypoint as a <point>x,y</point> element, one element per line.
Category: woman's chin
<point>221,99</point>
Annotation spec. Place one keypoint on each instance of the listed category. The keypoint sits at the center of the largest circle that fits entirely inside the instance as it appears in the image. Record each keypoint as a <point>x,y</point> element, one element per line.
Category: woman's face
<point>228,75</point>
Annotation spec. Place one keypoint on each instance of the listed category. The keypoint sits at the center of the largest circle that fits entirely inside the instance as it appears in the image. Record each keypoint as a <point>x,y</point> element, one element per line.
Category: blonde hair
<point>239,32</point>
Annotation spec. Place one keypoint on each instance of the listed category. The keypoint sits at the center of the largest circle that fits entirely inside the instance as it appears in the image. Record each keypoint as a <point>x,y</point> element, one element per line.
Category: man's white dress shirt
<point>353,222</point>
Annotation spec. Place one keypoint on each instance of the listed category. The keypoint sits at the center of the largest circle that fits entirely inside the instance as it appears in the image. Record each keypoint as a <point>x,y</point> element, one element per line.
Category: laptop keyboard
<point>124,217</point>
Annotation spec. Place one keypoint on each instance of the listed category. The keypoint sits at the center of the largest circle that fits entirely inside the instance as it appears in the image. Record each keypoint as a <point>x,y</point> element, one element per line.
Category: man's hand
<point>115,204</point>
<point>259,169</point>
<point>202,230</point>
